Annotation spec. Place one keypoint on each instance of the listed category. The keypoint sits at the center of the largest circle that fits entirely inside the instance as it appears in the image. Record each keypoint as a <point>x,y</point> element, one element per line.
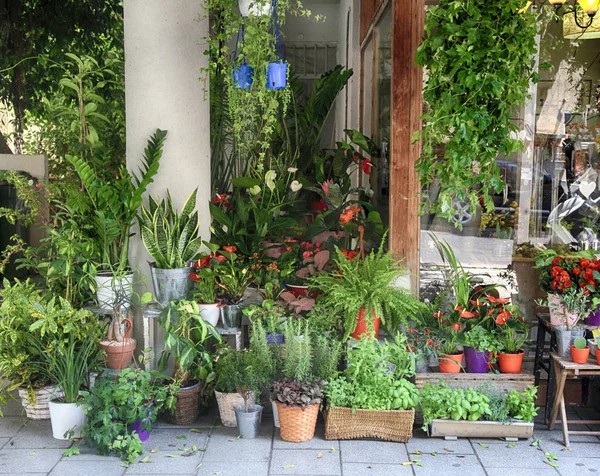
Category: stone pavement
<point>27,447</point>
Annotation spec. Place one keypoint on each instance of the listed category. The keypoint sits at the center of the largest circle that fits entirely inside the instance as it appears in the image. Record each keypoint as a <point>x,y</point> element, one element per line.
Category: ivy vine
<point>480,63</point>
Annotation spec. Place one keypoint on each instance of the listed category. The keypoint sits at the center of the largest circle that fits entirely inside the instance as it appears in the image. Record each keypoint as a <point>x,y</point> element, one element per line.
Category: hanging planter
<point>277,70</point>
<point>254,8</point>
<point>242,74</point>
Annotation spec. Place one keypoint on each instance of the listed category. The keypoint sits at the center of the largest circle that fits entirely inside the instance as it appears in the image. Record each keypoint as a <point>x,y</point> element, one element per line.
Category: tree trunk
<point>4,147</point>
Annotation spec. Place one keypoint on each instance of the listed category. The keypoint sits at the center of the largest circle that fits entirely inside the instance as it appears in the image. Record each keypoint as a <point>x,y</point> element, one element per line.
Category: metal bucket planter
<point>564,338</point>
<point>111,291</point>
<point>231,316</point>
<point>38,409</point>
<point>248,422</point>
<point>171,284</point>
<point>227,403</point>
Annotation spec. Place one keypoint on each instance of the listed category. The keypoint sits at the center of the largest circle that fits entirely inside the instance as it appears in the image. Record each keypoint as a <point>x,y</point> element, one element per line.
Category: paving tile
<point>87,453</point>
<point>75,467</point>
<point>305,462</point>
<point>495,456</point>
<point>9,426</point>
<point>223,444</point>
<point>161,463</point>
<point>421,442</point>
<point>3,442</point>
<point>38,461</point>
<point>37,434</point>
<point>233,468</point>
<point>447,465</point>
<point>501,441</point>
<point>204,421</point>
<point>578,466</point>
<point>581,445</point>
<point>13,408</point>
<point>371,451</point>
<point>164,438</point>
<point>317,443</point>
<point>375,469</point>
<point>521,472</point>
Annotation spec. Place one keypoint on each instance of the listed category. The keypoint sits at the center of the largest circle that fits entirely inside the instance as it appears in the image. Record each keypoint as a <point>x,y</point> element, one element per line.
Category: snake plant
<point>170,238</point>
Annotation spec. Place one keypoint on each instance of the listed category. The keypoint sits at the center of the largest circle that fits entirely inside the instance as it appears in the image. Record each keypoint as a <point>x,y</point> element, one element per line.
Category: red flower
<point>307,254</point>
<point>502,318</point>
<point>412,331</point>
<point>222,199</point>
<point>220,258</point>
<point>194,277</point>
<point>438,315</point>
<point>349,254</point>
<point>456,326</point>
<point>366,166</point>
<point>468,315</point>
<point>203,262</point>
<point>495,300</point>
<point>230,249</point>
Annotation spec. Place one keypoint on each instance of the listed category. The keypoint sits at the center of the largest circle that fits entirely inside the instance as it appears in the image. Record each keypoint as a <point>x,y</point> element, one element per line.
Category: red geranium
<point>230,249</point>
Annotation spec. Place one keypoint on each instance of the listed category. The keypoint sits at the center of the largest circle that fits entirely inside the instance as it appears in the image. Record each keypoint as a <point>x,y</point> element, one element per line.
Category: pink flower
<point>325,186</point>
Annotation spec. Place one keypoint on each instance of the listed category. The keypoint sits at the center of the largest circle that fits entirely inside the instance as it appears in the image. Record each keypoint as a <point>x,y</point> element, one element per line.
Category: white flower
<point>254,190</point>
<point>270,177</point>
<point>292,170</point>
<point>295,186</point>
<point>30,183</point>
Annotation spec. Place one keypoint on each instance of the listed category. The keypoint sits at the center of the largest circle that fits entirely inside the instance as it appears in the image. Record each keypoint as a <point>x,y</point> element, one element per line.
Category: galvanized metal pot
<point>248,422</point>
<point>171,284</point>
<point>232,316</point>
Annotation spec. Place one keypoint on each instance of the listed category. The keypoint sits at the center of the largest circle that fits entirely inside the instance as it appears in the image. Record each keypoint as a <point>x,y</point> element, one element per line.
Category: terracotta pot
<point>451,363</point>
<point>361,325</point>
<point>598,356</point>
<point>302,291</point>
<point>119,355</point>
<point>297,425</point>
<point>580,356</point>
<point>510,363</point>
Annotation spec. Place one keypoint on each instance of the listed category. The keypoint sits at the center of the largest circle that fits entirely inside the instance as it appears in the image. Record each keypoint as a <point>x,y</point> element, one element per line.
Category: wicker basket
<point>227,402</point>
<point>187,407</point>
<point>391,425</point>
<point>39,410</point>
<point>297,425</point>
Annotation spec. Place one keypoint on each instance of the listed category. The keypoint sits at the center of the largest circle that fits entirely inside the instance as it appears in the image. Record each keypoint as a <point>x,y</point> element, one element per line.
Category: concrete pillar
<point>163,56</point>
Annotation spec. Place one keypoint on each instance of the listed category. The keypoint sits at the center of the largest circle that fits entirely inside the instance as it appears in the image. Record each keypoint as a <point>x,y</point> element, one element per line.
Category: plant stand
<point>502,382</point>
<point>451,430</point>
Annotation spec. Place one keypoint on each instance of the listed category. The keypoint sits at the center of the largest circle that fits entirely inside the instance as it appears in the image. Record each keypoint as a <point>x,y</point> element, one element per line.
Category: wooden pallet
<point>502,382</point>
<point>451,430</point>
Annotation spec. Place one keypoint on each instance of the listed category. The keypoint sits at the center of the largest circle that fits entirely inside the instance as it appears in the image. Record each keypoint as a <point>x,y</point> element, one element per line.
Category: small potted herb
<point>479,344</point>
<point>233,278</point>
<point>580,351</point>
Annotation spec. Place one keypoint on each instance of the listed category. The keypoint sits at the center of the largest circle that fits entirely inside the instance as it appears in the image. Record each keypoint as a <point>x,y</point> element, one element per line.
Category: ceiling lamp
<point>573,29</point>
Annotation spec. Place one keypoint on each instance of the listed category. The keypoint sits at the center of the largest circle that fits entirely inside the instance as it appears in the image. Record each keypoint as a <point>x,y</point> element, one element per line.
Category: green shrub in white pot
<point>172,240</point>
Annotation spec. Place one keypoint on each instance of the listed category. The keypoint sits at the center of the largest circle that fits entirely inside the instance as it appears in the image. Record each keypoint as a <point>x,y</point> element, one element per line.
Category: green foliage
<point>170,238</point>
<point>112,405</point>
<point>298,393</point>
<point>480,62</point>
<point>366,283</point>
<point>522,405</point>
<point>267,363</point>
<point>481,339</point>
<point>579,343</point>
<point>297,363</point>
<point>327,354</point>
<point>53,324</point>
<point>115,202</point>
<point>375,378</point>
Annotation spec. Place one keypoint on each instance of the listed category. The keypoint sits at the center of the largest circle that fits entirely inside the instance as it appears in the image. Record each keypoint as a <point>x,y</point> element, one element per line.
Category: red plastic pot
<point>302,291</point>
<point>362,328</point>
<point>510,363</point>
<point>580,356</point>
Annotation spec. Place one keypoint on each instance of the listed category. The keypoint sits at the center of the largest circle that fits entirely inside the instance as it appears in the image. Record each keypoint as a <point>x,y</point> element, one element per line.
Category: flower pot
<point>362,328</point>
<point>297,425</point>
<point>276,75</point>
<point>450,363</point>
<point>580,356</point>
<point>252,296</point>
<point>598,356</point>
<point>593,345</point>
<point>231,316</point>
<point>421,364</point>
<point>301,291</point>
<point>248,422</point>
<point>563,340</point>
<point>119,355</point>
<point>275,339</point>
<point>171,284</point>
<point>210,313</point>
<point>187,406</point>
<point>557,312</point>
<point>275,415</point>
<point>593,319</point>
<point>510,363</point>
<point>255,8</point>
<point>227,403</point>
<point>111,291</point>
<point>38,409</point>
<point>476,361</point>
<point>67,419</point>
<point>137,427</point>
<point>243,76</point>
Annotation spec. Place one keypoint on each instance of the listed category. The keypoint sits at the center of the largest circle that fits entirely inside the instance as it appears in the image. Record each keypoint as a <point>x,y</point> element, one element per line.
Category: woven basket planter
<point>187,407</point>
<point>227,402</point>
<point>39,410</point>
<point>297,425</point>
<point>346,424</point>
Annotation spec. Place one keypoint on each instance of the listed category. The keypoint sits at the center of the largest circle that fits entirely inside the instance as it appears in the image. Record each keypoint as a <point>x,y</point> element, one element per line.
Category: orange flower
<point>502,318</point>
<point>230,249</point>
<point>468,314</point>
<point>438,315</point>
<point>495,300</point>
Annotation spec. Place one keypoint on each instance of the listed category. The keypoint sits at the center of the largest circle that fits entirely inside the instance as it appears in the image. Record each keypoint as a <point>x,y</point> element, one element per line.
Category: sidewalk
<point>27,447</point>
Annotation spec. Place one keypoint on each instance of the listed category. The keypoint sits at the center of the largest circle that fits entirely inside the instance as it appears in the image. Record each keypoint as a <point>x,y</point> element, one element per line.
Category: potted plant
<point>580,351</point>
<point>479,343</point>
<point>172,240</point>
<point>313,260</point>
<point>206,288</point>
<point>27,316</point>
<point>68,367</point>
<point>186,335</point>
<point>233,278</point>
<point>362,290</point>
<point>270,316</point>
<point>373,398</point>
<point>118,345</point>
<point>115,205</point>
<point>114,405</point>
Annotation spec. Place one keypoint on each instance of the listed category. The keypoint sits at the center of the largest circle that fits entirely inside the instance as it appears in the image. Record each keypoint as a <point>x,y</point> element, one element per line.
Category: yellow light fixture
<point>572,31</point>
<point>557,2</point>
<point>589,6</point>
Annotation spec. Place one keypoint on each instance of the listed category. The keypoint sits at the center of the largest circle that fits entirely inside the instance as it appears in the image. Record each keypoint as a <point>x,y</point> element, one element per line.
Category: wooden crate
<point>450,429</point>
<point>501,382</point>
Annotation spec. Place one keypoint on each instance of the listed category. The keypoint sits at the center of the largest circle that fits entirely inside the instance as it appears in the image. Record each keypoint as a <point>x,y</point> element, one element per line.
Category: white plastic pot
<point>107,288</point>
<point>210,313</point>
<point>255,7</point>
<point>67,420</point>
<point>275,415</point>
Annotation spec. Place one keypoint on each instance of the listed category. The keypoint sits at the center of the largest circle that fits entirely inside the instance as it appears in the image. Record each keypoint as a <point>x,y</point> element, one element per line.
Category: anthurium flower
<point>438,314</point>
<point>254,190</point>
<point>230,249</point>
<point>468,314</point>
<point>292,170</point>
<point>502,318</point>
<point>194,277</point>
<point>270,177</point>
<point>366,166</point>
<point>295,186</point>
<point>456,326</point>
<point>501,301</point>
<point>458,308</point>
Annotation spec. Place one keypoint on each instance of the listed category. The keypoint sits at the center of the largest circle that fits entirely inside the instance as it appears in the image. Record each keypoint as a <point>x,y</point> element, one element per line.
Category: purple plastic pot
<point>594,318</point>
<point>276,338</point>
<point>477,362</point>
<point>137,427</point>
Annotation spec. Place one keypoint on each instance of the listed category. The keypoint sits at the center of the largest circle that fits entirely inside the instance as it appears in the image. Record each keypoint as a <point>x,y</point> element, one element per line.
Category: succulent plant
<point>579,343</point>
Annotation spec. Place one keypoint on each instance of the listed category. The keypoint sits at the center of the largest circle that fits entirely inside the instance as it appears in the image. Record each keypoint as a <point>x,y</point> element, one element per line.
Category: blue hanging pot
<point>243,76</point>
<point>277,75</point>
